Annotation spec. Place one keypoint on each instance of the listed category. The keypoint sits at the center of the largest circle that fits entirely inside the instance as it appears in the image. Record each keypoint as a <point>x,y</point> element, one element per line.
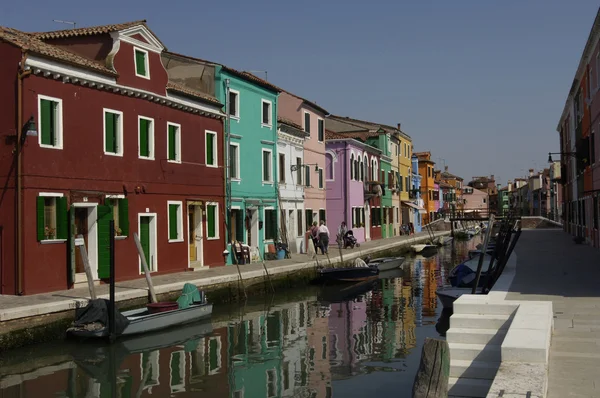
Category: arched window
<point>356,170</point>
<point>329,166</point>
<point>352,167</point>
<point>366,168</point>
<point>362,170</point>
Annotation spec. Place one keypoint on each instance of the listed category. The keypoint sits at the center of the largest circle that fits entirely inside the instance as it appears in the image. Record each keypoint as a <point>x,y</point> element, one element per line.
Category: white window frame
<point>177,142</point>
<point>237,104</point>
<point>153,237</point>
<point>179,220</point>
<point>308,137</point>
<point>270,181</point>
<point>332,168</point>
<point>52,195</point>
<point>262,102</point>
<point>147,62</point>
<point>175,388</point>
<point>323,122</point>
<point>219,359</point>
<point>217,229</point>
<point>119,133</point>
<point>59,122</point>
<point>321,177</point>
<point>150,138</point>
<point>238,168</point>
<point>215,148</point>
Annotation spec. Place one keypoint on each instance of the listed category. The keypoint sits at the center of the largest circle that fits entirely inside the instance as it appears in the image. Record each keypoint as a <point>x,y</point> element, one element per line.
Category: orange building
<point>426,166</point>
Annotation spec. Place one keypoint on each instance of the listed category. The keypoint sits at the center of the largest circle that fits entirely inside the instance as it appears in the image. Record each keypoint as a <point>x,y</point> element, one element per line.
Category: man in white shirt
<point>323,237</point>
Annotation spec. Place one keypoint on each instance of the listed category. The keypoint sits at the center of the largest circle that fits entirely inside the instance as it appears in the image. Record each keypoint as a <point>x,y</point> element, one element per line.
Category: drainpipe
<point>345,193</point>
<point>226,168</point>
<point>21,74</point>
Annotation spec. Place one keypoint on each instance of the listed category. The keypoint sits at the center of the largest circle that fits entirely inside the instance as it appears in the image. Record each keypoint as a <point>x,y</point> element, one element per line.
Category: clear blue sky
<point>480,84</point>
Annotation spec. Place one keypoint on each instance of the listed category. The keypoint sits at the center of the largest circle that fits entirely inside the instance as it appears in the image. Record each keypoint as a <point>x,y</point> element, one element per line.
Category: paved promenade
<point>18,307</point>
<point>550,266</point>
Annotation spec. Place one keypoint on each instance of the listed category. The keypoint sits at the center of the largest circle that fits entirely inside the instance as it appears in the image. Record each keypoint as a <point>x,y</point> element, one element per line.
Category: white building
<point>290,158</point>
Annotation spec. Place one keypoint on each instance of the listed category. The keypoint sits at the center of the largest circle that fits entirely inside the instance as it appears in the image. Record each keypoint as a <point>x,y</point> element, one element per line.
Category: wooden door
<point>192,232</point>
<point>145,239</point>
<point>81,228</point>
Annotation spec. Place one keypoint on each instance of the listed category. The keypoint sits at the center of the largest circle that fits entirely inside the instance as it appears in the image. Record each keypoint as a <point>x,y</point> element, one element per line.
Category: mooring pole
<point>111,311</point>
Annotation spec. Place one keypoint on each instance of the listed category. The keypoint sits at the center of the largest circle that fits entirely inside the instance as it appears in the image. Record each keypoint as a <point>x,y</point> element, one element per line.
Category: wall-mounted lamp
<point>572,154</point>
<point>294,167</point>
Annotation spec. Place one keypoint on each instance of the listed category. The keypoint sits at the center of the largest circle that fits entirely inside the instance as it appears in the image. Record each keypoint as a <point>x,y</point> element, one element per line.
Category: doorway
<point>84,217</point>
<point>147,231</point>
<point>252,226</point>
<point>196,258</point>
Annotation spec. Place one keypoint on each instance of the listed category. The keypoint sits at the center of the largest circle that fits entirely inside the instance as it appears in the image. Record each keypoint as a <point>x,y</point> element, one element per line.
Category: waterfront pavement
<point>550,266</point>
<point>19,307</point>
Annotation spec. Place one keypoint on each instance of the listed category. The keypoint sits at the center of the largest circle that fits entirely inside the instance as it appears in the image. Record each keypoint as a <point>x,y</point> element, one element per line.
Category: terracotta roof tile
<point>310,103</point>
<point>193,93</point>
<point>31,43</point>
<point>252,78</point>
<point>289,122</point>
<point>87,31</point>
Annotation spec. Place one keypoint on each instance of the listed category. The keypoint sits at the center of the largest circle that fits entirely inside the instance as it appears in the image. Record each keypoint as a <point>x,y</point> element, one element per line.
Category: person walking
<point>314,236</point>
<point>341,233</point>
<point>323,237</point>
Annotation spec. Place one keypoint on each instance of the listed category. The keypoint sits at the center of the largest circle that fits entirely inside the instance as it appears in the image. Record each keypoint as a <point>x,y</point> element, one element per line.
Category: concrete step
<point>475,336</point>
<point>477,321</point>
<point>479,307</point>
<point>475,352</point>
<point>474,369</point>
<point>464,387</point>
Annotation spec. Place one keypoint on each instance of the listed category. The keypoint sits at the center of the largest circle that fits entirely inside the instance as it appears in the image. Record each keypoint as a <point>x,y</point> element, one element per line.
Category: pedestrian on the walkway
<point>341,233</point>
<point>314,236</point>
<point>323,237</point>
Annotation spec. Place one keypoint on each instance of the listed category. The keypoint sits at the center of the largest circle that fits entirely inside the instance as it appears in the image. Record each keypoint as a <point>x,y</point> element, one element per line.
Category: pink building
<point>476,201</point>
<point>312,119</point>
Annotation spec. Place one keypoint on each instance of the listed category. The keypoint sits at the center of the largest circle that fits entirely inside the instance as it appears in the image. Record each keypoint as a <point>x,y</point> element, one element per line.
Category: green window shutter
<point>210,220</point>
<point>110,132</point>
<point>145,238</point>
<point>210,156</point>
<point>47,122</point>
<point>320,130</point>
<point>71,246</point>
<point>62,218</point>
<point>144,141</point>
<point>124,216</point>
<point>176,377</point>
<point>239,227</point>
<point>171,143</point>
<point>173,231</point>
<point>40,218</point>
<point>103,224</point>
<point>140,63</point>
<point>307,122</point>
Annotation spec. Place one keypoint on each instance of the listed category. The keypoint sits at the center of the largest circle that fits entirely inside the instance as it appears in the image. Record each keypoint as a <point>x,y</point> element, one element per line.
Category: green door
<point>145,239</point>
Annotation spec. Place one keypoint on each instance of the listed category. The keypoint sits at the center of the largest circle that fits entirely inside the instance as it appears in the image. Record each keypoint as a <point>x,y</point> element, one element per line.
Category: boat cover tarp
<point>97,311</point>
<point>189,296</point>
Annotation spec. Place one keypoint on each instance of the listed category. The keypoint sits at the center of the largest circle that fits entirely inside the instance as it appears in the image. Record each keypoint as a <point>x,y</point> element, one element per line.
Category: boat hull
<point>448,296</point>
<point>387,263</point>
<point>350,274</point>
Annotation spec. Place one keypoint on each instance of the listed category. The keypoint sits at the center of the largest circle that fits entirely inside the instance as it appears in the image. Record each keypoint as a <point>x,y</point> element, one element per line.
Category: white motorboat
<point>422,247</point>
<point>386,263</point>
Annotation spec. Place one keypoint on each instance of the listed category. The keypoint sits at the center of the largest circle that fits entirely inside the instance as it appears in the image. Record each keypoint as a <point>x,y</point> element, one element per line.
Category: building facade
<point>456,182</point>
<point>476,202</point>
<point>163,180</point>
<point>426,170</point>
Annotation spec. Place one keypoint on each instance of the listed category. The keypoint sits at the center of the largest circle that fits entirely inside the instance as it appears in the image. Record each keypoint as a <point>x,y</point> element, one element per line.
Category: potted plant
<point>49,232</point>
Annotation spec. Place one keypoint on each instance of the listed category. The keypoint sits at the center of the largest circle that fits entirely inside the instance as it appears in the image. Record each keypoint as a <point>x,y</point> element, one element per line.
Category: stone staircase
<point>475,338</point>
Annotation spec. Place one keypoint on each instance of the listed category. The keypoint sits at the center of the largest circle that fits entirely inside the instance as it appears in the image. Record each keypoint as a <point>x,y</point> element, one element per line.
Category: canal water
<point>310,342</point>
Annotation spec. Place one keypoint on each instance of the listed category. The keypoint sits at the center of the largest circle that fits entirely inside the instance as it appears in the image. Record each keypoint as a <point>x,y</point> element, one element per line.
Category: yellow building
<point>426,166</point>
<point>404,171</point>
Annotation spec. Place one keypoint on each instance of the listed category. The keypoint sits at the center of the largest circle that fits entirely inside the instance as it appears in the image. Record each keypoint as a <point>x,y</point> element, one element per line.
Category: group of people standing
<point>319,235</point>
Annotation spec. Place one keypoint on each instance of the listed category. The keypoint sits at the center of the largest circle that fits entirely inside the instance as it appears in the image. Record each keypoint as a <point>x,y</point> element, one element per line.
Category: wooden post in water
<point>432,377</point>
<point>79,242</point>
<point>136,239</point>
<point>112,327</point>
<point>262,258</point>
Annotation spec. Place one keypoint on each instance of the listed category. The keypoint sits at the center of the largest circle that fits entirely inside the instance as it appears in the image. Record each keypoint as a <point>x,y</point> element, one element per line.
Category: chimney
<point>530,172</point>
<point>445,168</point>
<point>492,178</point>
<point>399,126</point>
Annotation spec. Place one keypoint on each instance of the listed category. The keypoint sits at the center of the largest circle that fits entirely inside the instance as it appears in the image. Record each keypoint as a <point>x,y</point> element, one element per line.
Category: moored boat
<point>386,263</point>
<point>346,274</point>
<point>423,247</point>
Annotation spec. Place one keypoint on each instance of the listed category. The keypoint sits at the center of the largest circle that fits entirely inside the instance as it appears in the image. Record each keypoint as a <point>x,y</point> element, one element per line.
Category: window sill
<point>52,241</point>
<point>214,166</point>
<point>267,182</point>
<point>51,146</point>
<point>236,118</point>
<point>174,161</point>
<point>175,240</point>
<point>113,154</point>
<point>142,76</point>
<point>267,126</point>
<point>215,238</point>
<point>120,237</point>
<point>145,157</point>
<point>235,179</point>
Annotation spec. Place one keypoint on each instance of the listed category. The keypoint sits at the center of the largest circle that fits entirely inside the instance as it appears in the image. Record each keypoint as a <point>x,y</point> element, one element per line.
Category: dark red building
<point>92,131</point>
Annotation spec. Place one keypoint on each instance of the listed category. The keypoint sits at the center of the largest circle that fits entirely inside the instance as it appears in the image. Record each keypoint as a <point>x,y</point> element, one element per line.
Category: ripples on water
<point>314,342</point>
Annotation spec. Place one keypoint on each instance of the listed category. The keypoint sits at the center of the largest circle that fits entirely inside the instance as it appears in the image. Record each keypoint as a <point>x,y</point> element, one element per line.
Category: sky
<point>479,83</point>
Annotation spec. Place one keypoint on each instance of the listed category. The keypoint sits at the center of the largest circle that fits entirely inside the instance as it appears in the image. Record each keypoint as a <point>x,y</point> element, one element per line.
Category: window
<point>266,113</point>
<point>211,149</point>
<point>322,215</point>
<point>175,209</point>
<point>50,122</point>
<point>234,104</point>
<point>321,182</point>
<point>321,134</point>
<point>52,223</point>
<point>142,68</point>
<point>120,210</point>
<point>267,168</point>
<point>234,161</point>
<point>298,171</point>
<point>174,142</point>
<point>177,368</point>
<point>352,177</point>
<point>271,383</point>
<point>329,167</point>
<point>113,132</point>
<point>270,224</point>
<point>307,123</point>
<point>212,221</point>
<point>307,176</point>
<point>299,222</point>
<point>309,217</point>
<point>593,148</point>
<point>282,168</point>
<point>145,138</point>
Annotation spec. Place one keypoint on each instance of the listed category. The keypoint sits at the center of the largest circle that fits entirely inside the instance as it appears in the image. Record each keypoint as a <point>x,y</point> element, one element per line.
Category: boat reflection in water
<point>314,344</point>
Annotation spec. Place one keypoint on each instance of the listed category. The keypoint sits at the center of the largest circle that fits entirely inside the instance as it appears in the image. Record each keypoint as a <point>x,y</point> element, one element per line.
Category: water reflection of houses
<point>429,277</point>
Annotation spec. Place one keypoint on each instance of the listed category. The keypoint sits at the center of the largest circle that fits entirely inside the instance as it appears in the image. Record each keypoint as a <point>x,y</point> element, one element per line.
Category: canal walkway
<point>551,267</point>
<point>13,308</point>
